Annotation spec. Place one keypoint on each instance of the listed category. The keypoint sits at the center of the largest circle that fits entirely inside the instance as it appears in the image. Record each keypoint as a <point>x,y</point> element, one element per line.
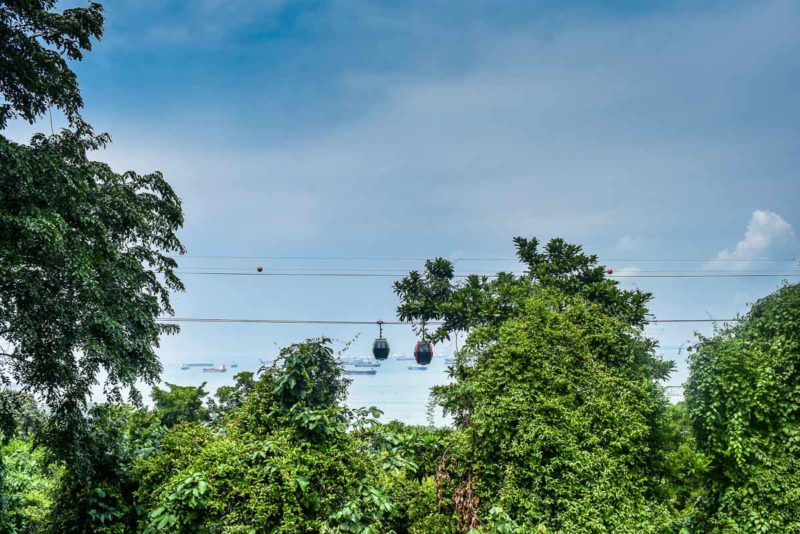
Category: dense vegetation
<point>559,420</point>
<point>743,398</point>
<point>557,429</point>
<point>85,265</point>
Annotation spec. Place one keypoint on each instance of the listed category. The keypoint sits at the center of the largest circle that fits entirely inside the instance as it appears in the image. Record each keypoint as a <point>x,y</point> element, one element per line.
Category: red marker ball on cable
<point>609,271</point>
<point>259,268</point>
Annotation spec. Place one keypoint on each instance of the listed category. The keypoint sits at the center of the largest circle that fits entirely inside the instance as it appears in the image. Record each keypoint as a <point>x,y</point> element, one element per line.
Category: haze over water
<point>400,393</point>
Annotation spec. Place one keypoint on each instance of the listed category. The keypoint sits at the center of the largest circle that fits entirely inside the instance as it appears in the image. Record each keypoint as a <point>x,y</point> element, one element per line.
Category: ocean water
<point>400,393</point>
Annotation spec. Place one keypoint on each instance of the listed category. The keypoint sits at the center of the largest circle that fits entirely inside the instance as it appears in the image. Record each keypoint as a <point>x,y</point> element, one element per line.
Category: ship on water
<point>222,369</point>
<point>195,364</point>
<point>360,371</point>
<point>417,367</point>
<point>359,362</point>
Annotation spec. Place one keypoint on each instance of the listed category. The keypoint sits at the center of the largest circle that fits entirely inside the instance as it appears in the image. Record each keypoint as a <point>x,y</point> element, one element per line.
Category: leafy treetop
<point>480,300</point>
<point>35,44</point>
<point>180,404</point>
<point>85,270</point>
<point>742,397</point>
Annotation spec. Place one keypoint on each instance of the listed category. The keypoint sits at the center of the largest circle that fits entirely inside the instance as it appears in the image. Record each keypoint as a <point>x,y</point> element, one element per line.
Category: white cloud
<point>767,234</point>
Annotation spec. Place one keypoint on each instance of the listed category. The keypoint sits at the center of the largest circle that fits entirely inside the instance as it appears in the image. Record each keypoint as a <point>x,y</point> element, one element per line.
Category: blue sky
<point>638,129</point>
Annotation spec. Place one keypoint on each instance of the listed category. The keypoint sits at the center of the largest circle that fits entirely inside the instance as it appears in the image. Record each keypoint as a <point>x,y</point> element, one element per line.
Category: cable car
<point>423,352</point>
<point>380,348</point>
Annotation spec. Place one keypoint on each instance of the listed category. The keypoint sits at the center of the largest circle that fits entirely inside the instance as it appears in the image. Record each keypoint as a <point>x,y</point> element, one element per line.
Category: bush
<point>283,462</point>
<point>563,428</point>
<point>742,397</point>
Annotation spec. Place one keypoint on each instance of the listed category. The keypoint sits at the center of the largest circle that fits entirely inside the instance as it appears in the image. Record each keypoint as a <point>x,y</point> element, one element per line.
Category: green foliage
<point>184,507</point>
<point>35,44</point>
<point>180,404</point>
<point>560,426</point>
<point>229,398</point>
<point>27,486</point>
<point>84,265</point>
<point>99,497</point>
<point>414,450</point>
<point>742,398</point>
<point>481,301</point>
<point>83,275</point>
<point>306,374</point>
<point>560,423</point>
<point>283,462</point>
<point>19,415</point>
<point>684,467</point>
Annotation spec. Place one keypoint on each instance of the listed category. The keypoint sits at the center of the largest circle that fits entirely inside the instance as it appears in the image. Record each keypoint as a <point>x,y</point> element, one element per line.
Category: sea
<point>400,393</point>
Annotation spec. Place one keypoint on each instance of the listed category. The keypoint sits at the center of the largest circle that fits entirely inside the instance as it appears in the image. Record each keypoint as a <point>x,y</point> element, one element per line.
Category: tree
<point>480,300</point>
<point>283,462</point>
<point>34,41</point>
<point>742,398</point>
<point>27,486</point>
<point>557,426</point>
<point>26,479</point>
<point>85,252</point>
<point>560,423</point>
<point>84,274</point>
<point>180,404</point>
<point>19,414</point>
<point>99,497</point>
<point>231,397</point>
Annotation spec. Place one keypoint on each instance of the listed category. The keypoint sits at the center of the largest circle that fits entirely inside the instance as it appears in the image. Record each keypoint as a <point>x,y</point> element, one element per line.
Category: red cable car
<point>423,352</point>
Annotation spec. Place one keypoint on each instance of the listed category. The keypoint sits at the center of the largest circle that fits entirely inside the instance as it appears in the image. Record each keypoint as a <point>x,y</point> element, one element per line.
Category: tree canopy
<point>560,422</point>
<point>86,262</point>
<point>742,398</point>
<point>481,300</point>
<point>35,43</point>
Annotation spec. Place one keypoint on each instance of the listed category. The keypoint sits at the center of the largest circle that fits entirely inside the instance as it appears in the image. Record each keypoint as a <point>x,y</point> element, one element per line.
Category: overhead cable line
<point>403,272</point>
<point>389,275</point>
<point>346,322</point>
<point>465,258</point>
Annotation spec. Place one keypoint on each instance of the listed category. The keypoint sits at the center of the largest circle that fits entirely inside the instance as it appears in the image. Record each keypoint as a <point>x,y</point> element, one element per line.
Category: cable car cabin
<point>380,349</point>
<point>423,352</point>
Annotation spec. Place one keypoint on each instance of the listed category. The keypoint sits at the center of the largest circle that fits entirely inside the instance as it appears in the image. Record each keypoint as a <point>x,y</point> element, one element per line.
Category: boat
<point>417,367</point>
<point>222,369</point>
<point>360,371</point>
<point>367,364</point>
<point>196,364</point>
<point>184,366</point>
<point>360,362</point>
<point>405,359</point>
<point>449,361</point>
<point>234,365</point>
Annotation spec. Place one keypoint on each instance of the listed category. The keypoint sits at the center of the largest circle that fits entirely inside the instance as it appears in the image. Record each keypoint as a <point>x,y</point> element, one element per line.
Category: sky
<point>640,130</point>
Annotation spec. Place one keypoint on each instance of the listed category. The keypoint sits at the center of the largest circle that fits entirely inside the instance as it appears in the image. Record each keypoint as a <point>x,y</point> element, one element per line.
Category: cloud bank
<point>768,235</point>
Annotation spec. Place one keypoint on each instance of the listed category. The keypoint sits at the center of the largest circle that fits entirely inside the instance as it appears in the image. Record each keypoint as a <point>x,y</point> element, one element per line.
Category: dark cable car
<point>380,348</point>
<point>423,352</point>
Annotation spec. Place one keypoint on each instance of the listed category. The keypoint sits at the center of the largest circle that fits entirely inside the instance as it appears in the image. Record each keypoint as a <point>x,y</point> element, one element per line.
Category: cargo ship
<point>222,369</point>
<point>195,364</point>
<point>360,371</point>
